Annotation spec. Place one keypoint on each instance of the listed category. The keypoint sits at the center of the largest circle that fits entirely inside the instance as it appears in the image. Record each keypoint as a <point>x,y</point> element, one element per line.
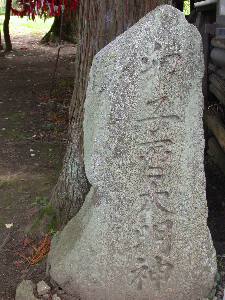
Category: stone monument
<point>142,232</point>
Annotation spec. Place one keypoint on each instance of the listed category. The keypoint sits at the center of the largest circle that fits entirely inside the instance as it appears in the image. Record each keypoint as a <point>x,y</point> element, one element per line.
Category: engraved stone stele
<point>142,232</point>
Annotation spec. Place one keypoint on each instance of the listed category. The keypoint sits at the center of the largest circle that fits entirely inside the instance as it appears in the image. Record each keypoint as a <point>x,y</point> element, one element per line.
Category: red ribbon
<point>32,8</point>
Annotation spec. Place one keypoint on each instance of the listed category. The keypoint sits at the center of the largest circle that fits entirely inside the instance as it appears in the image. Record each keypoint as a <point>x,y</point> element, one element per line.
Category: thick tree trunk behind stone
<point>99,22</point>
<point>69,29</point>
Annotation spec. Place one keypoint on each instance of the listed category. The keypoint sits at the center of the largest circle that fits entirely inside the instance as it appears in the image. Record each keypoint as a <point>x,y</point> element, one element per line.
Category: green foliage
<point>2,7</point>
<point>187,7</point>
<point>1,22</point>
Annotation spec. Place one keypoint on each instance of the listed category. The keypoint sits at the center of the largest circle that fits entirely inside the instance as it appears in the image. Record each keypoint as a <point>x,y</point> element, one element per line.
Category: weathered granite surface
<point>25,291</point>
<point>142,233</point>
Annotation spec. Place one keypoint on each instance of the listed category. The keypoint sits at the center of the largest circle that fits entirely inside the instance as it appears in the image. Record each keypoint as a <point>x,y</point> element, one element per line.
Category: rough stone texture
<point>142,232</point>
<point>56,297</point>
<point>25,291</point>
<point>43,288</point>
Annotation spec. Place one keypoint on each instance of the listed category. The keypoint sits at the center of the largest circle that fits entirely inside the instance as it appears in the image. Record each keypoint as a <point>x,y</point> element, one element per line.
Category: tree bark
<point>1,47</point>
<point>99,22</point>
<point>68,29</point>
<point>8,44</point>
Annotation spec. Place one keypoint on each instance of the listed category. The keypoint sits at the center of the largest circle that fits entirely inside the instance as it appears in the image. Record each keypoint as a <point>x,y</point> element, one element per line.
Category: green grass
<point>25,26</point>
<point>1,21</point>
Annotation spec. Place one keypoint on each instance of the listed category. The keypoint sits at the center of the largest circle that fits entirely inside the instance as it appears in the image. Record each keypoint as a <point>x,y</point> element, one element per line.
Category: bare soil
<point>33,134</point>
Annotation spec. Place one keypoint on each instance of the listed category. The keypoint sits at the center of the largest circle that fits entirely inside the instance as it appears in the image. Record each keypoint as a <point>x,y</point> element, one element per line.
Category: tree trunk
<point>8,44</point>
<point>99,22</point>
<point>1,47</point>
<point>68,29</point>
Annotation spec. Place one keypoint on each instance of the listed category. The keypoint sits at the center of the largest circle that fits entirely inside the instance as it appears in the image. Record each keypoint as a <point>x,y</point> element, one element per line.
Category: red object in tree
<point>52,8</point>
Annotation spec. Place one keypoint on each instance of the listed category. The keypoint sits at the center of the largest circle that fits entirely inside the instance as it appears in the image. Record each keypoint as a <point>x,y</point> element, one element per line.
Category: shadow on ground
<point>33,129</point>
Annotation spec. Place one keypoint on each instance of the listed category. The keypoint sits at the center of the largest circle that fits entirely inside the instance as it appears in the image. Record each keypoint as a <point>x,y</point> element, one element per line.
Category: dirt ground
<point>33,129</point>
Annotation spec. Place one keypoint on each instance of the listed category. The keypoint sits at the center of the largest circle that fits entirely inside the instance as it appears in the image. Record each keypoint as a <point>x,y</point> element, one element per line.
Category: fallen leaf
<point>8,226</point>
